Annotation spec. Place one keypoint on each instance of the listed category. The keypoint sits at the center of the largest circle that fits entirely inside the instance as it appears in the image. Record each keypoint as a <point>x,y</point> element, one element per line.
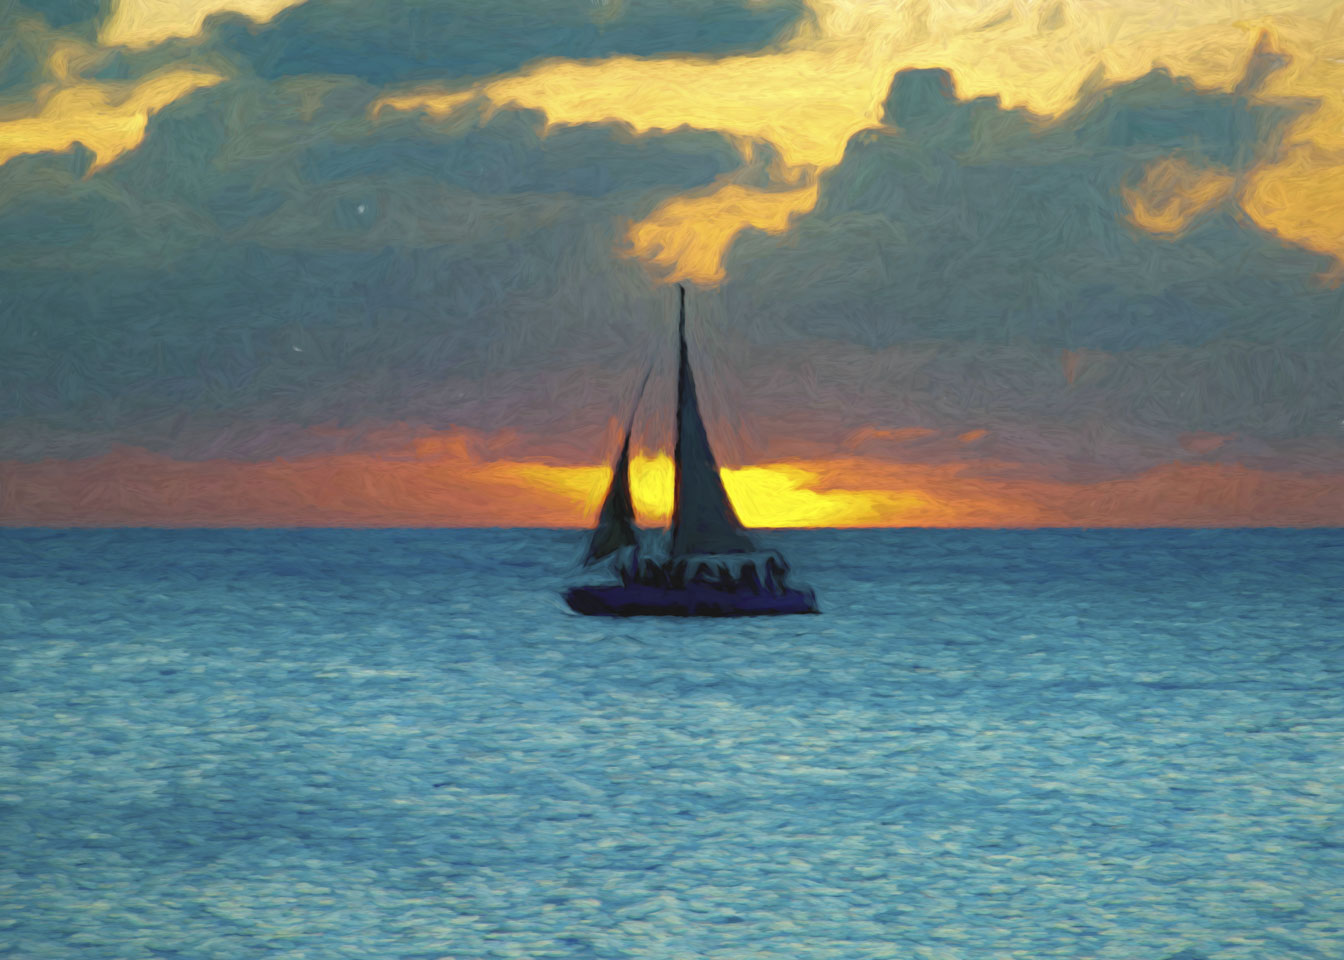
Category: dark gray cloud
<point>271,252</point>
<point>438,40</point>
<point>26,32</point>
<point>63,14</point>
<point>21,52</point>
<point>423,40</point>
<point>273,256</point>
<point>966,221</point>
<point>991,244</point>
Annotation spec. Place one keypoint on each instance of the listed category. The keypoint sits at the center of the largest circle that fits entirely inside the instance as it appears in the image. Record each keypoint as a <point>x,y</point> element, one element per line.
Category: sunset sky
<point>949,263</point>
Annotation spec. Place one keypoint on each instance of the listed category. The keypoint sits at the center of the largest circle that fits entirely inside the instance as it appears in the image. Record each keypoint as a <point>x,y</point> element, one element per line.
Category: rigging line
<point>639,395</point>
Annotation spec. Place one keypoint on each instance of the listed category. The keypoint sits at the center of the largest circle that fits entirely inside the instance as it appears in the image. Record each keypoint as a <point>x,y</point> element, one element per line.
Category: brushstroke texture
<point>296,744</point>
<point>1079,246</point>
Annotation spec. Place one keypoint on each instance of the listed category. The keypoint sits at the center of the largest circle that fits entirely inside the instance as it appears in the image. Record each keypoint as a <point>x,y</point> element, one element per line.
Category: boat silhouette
<point>712,567</point>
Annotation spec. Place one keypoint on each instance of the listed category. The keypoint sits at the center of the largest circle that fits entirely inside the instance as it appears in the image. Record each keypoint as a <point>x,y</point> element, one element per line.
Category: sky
<point>949,262</point>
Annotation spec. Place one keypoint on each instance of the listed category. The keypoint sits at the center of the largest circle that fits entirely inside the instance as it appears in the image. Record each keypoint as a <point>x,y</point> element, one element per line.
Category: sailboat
<point>712,567</point>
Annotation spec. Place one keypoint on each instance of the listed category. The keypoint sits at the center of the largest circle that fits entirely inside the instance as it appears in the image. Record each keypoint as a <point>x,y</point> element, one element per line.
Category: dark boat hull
<point>639,600</point>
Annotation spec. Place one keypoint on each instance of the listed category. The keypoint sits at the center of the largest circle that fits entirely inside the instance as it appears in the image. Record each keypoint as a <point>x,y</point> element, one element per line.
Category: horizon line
<point>573,529</point>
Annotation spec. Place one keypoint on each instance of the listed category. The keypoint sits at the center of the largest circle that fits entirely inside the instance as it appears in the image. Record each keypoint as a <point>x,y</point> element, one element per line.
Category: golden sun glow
<point>772,495</point>
<point>652,479</point>
<point>453,479</point>
<point>848,492</point>
<point>783,495</point>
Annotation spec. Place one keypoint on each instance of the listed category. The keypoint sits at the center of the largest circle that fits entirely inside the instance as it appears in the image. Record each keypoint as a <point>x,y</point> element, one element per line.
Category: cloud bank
<point>1064,244</point>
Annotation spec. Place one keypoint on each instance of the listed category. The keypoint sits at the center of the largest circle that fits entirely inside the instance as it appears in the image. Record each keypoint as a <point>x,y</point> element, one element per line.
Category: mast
<point>703,519</point>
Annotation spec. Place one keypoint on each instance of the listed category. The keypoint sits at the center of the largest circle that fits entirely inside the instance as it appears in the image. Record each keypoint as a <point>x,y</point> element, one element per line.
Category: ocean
<point>400,744</point>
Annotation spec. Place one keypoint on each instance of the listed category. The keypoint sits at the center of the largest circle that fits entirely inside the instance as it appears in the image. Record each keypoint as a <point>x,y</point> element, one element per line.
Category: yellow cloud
<point>144,23</point>
<point>1301,199</point>
<point>688,236</point>
<point>1300,195</point>
<point>1173,193</point>
<point>825,83</point>
<point>108,118</point>
<point>435,103</point>
<point>68,57</point>
<point>806,99</point>
<point>807,103</point>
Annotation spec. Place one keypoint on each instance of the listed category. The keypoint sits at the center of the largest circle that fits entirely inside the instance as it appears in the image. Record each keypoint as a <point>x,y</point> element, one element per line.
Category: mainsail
<point>616,522</point>
<point>703,520</point>
<point>712,569</point>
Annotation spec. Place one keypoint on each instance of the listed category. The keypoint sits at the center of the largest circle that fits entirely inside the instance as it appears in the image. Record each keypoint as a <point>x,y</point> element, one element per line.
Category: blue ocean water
<point>313,744</point>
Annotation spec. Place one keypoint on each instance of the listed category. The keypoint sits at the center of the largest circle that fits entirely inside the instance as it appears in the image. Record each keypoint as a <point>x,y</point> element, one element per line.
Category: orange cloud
<point>865,436</point>
<point>443,481</point>
<point>989,494</point>
<point>1195,495</point>
<point>1202,442</point>
<point>454,479</point>
<point>144,23</point>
